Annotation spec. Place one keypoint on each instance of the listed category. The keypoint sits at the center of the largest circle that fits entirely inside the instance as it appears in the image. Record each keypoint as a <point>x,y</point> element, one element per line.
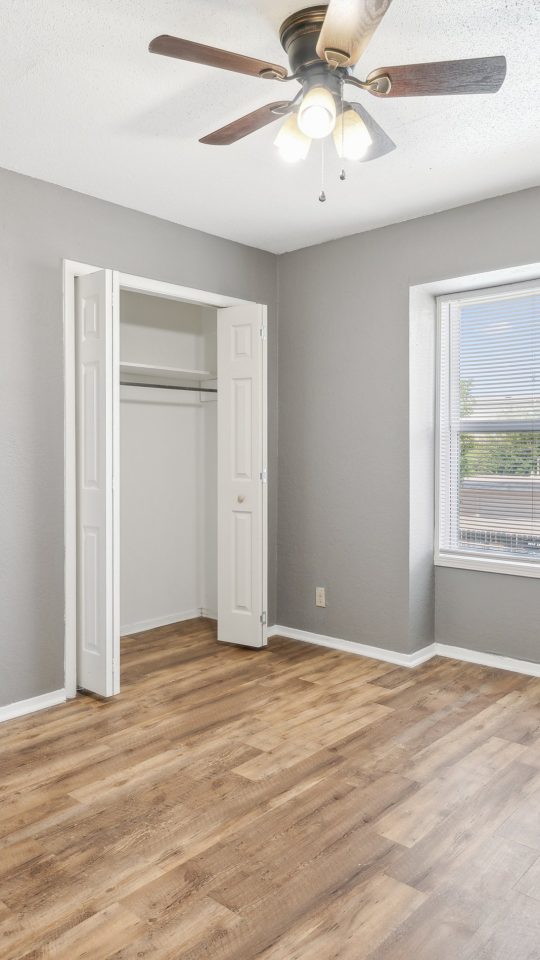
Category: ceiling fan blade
<point>252,121</point>
<point>481,75</point>
<point>213,57</point>
<point>347,29</point>
<point>380,141</point>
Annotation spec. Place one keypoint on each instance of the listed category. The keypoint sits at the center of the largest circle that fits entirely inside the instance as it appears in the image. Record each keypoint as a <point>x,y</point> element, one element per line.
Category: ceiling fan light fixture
<point>292,144</point>
<point>323,43</point>
<point>351,136</point>
<point>317,114</point>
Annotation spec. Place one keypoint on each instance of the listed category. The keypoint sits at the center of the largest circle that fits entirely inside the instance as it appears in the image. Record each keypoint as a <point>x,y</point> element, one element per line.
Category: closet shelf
<point>173,374</point>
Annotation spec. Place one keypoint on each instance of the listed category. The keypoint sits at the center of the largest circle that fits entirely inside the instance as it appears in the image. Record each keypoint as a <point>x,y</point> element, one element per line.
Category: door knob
<point>240,498</point>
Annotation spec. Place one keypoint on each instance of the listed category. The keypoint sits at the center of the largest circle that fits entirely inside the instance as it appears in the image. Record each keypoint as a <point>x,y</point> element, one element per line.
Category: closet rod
<point>167,386</point>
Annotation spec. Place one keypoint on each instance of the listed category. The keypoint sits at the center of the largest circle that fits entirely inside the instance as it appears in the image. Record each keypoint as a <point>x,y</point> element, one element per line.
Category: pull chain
<point>322,195</point>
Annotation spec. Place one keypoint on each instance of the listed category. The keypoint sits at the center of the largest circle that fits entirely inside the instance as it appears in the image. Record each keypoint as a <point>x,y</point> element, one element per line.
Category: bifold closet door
<point>97,421</point>
<point>241,475</point>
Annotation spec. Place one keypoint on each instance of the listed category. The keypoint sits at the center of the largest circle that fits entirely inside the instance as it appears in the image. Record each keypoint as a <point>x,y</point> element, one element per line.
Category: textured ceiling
<point>82,104</point>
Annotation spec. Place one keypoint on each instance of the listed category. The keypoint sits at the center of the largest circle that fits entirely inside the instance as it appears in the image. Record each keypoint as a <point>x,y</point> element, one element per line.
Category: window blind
<point>489,424</point>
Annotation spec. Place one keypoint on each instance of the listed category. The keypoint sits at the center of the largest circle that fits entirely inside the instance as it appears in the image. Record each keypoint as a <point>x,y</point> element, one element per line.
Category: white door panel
<point>241,453</point>
<point>97,628</point>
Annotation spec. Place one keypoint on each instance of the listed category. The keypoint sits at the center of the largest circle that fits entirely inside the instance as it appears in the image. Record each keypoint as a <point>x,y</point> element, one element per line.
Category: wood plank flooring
<point>287,804</point>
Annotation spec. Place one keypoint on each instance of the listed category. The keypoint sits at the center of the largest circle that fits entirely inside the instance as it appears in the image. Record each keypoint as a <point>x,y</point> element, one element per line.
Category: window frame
<point>444,557</point>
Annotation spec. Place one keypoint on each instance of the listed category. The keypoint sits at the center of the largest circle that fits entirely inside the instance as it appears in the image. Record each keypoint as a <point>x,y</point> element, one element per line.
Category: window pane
<point>499,493</point>
<point>499,359</point>
<point>489,450</point>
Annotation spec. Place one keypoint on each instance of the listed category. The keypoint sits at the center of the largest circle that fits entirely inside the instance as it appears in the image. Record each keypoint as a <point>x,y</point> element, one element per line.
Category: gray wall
<point>40,224</point>
<point>489,612</point>
<point>344,458</point>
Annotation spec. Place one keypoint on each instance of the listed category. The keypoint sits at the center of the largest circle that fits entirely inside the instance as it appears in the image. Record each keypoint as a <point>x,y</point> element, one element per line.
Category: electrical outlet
<point>320,596</point>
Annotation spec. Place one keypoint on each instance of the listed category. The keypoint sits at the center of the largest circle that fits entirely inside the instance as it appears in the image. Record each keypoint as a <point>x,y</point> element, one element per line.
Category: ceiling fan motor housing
<point>299,35</point>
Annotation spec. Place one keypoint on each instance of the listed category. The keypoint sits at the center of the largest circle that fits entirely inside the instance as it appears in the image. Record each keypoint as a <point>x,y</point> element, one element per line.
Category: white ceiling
<point>82,104</point>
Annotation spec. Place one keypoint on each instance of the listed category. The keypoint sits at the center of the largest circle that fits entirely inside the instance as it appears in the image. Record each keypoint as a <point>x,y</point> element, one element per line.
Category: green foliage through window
<point>500,454</point>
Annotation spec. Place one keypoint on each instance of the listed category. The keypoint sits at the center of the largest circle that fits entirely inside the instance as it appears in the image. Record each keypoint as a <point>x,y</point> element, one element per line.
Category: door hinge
<point>263,476</point>
<point>263,618</point>
<point>262,332</point>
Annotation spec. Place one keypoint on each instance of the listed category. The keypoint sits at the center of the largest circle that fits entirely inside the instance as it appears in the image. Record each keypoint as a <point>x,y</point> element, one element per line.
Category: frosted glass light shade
<point>293,145</point>
<point>317,114</point>
<point>351,136</point>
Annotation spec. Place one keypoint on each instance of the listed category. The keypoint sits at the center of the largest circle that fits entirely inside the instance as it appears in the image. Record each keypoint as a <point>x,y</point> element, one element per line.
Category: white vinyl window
<point>488,448</point>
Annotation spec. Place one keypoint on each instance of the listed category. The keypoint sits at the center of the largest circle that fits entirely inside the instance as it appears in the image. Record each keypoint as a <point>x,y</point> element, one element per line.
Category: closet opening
<point>166,477</point>
<point>168,462</point>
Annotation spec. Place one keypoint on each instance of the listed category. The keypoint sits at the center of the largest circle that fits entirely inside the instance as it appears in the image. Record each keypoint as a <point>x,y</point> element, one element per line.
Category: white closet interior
<point>168,462</point>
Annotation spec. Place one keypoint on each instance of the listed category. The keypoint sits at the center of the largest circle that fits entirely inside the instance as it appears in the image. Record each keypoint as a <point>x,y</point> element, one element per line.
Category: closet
<point>166,436</point>
<point>168,461</point>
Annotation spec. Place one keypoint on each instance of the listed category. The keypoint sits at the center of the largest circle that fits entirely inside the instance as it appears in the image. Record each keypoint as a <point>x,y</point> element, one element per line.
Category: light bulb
<point>292,144</point>
<point>351,136</point>
<point>317,114</point>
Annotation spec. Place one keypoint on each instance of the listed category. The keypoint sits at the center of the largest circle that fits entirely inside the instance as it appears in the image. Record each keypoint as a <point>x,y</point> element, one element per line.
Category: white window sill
<point>516,568</point>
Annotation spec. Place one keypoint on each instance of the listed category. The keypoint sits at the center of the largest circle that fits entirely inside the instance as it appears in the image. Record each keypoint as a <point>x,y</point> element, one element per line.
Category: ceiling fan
<point>323,44</point>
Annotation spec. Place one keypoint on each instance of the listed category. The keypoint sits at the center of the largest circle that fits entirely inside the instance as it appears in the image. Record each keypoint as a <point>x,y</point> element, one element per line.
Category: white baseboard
<point>142,625</point>
<point>22,707</point>
<point>210,614</point>
<point>359,649</point>
<point>527,667</point>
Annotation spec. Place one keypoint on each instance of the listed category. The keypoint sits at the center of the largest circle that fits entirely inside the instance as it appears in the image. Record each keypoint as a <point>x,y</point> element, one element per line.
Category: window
<point>488,469</point>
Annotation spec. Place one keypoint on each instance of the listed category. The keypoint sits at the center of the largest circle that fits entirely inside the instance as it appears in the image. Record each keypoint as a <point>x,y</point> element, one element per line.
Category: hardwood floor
<point>288,804</point>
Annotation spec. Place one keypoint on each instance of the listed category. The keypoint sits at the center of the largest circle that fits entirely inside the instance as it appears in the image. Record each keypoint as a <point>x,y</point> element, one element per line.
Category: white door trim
<point>173,291</point>
<point>71,269</point>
